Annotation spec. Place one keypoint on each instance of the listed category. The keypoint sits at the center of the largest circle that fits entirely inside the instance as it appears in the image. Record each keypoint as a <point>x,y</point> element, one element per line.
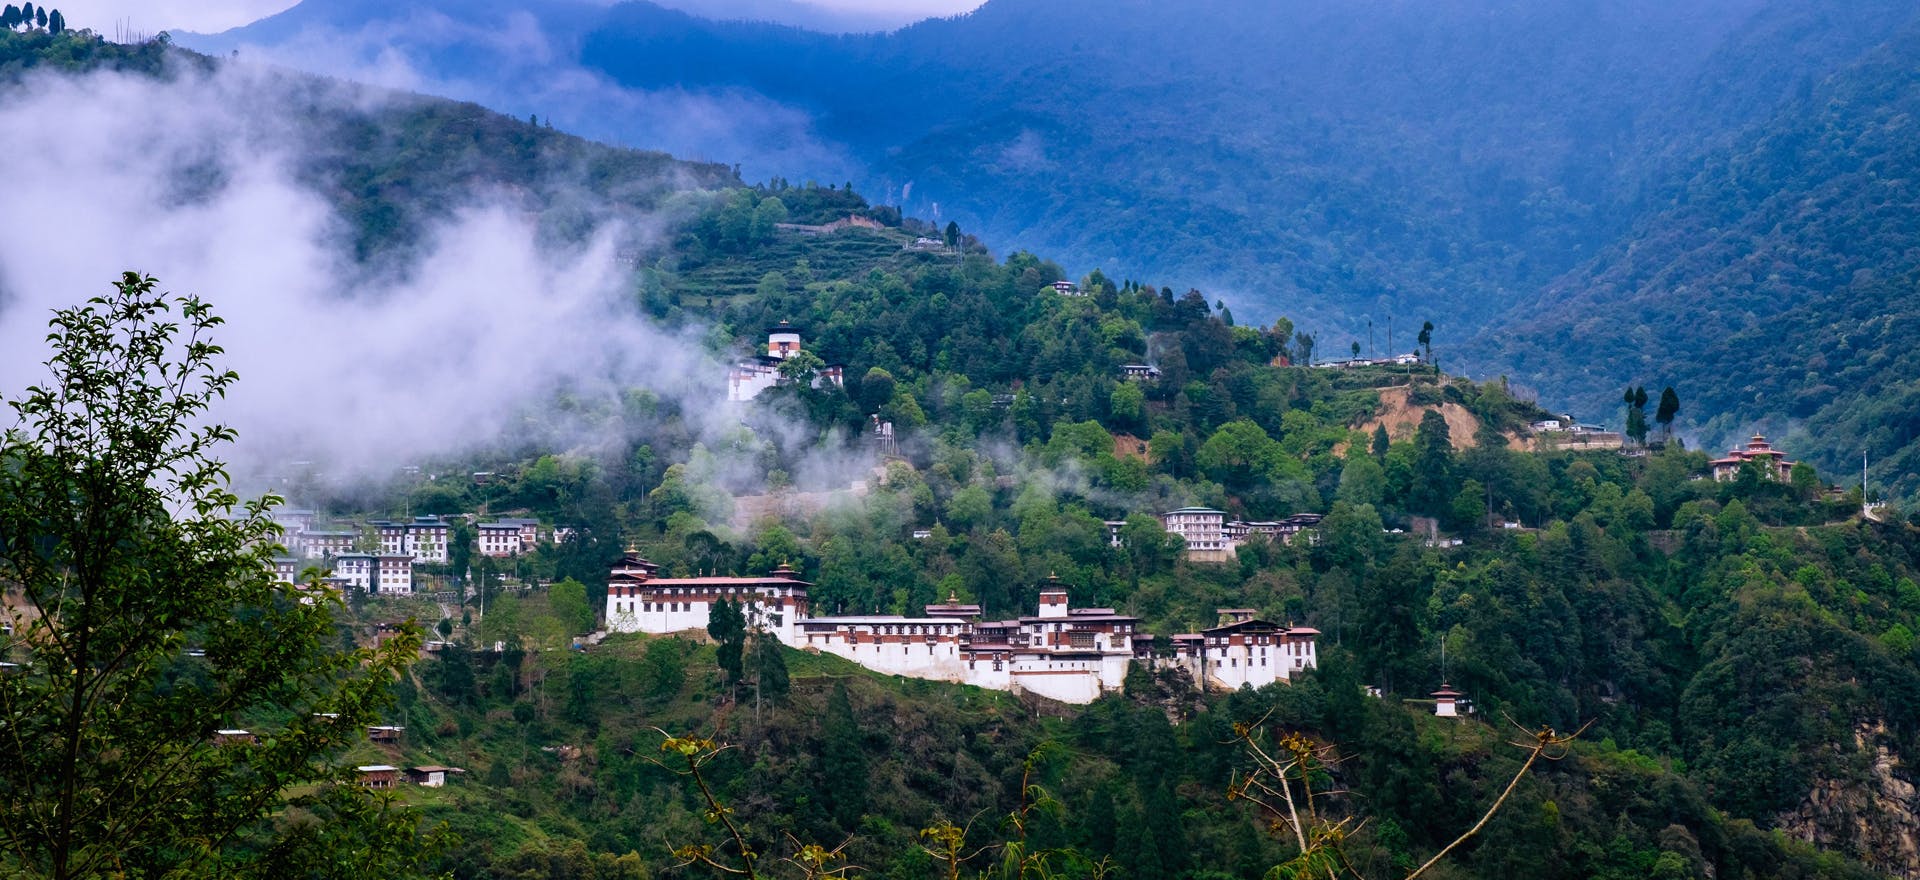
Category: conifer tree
<point>1668,409</point>
<point>770,679</point>
<point>728,627</point>
<point>843,762</point>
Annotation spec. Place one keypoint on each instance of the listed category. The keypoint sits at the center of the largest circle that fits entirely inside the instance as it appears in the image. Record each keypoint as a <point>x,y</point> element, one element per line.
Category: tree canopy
<point>144,618</point>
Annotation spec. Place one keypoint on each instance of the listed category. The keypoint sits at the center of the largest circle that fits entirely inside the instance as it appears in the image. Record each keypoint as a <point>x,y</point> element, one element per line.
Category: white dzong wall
<point>1062,653</point>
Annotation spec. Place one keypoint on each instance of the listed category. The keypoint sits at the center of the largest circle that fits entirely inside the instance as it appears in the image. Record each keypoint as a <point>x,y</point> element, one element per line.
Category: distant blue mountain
<point>1336,162</point>
<point>1500,168</point>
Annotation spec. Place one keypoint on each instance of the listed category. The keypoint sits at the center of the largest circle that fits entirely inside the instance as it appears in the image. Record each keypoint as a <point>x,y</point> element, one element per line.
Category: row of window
<point>651,607</point>
<point>1235,662</point>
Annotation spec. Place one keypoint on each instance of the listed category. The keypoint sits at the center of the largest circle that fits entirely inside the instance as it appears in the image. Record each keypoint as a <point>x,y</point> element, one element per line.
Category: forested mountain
<point>1531,174</point>
<point>1334,162</point>
<point>1779,285</point>
<point>1744,650</point>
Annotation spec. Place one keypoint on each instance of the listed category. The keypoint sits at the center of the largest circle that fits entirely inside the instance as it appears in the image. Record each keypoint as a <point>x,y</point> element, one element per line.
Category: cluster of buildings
<point>378,776</point>
<point>749,377</point>
<point>1211,537</point>
<point>1566,431</point>
<point>379,557</point>
<point>1064,653</point>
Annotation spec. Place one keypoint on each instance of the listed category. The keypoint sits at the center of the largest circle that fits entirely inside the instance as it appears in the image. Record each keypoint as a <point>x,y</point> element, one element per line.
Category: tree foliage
<point>145,618</point>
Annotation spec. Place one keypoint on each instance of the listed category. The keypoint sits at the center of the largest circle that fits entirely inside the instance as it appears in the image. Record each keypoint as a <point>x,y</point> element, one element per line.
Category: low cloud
<point>518,66</point>
<point>193,181</point>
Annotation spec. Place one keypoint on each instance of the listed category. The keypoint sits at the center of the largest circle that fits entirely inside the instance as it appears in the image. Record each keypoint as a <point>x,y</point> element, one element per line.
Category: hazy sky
<point>209,16</point>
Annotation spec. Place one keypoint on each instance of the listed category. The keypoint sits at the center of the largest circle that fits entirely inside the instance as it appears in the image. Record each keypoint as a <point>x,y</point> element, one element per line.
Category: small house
<point>234,735</point>
<point>385,733</point>
<point>378,775</point>
<point>430,776</point>
<point>1446,702</point>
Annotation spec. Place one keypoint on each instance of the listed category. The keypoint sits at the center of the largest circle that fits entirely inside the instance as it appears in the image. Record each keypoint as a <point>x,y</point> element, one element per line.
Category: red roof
<point>723,582</point>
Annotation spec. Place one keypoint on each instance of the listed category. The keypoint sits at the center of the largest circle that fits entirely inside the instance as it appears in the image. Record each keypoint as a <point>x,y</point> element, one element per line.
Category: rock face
<point>1876,819</point>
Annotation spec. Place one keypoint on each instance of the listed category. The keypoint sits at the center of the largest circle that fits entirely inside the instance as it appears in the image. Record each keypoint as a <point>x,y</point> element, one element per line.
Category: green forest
<point>1736,645</point>
<point>1739,656</point>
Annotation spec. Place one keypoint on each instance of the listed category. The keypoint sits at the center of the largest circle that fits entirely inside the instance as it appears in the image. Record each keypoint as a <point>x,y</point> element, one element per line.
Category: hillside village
<point>1062,652</point>
<point>377,556</point>
<point>969,553</point>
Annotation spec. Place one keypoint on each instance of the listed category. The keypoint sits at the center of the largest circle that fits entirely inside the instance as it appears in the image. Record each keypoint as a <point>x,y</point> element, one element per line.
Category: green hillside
<point>1741,655</point>
<point>1774,292</point>
<point>1738,646</point>
<point>561,779</point>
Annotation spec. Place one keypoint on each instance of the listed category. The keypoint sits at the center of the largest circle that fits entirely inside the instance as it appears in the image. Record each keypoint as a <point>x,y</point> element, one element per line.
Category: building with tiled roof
<point>1773,463</point>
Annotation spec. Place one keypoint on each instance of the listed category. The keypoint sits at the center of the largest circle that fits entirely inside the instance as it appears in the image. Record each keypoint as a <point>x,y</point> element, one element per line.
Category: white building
<point>286,569</point>
<point>393,573</point>
<point>393,536</point>
<point>637,601</point>
<point>1246,651</point>
<point>499,539</point>
<point>1068,654</point>
<point>427,539</point>
<point>355,570</point>
<point>322,543</point>
<point>750,377</point>
<point>1204,530</point>
<point>529,530</point>
<point>1063,653</point>
<point>293,520</point>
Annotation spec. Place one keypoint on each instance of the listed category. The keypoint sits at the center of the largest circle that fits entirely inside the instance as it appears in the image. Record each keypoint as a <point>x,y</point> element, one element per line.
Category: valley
<point>595,465</point>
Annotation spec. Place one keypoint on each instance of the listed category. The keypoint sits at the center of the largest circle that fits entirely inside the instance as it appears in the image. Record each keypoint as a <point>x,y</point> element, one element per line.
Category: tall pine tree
<point>728,628</point>
<point>843,762</point>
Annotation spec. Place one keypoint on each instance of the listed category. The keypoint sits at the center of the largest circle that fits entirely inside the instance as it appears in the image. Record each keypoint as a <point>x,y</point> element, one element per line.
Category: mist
<point>523,65</point>
<point>192,181</point>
